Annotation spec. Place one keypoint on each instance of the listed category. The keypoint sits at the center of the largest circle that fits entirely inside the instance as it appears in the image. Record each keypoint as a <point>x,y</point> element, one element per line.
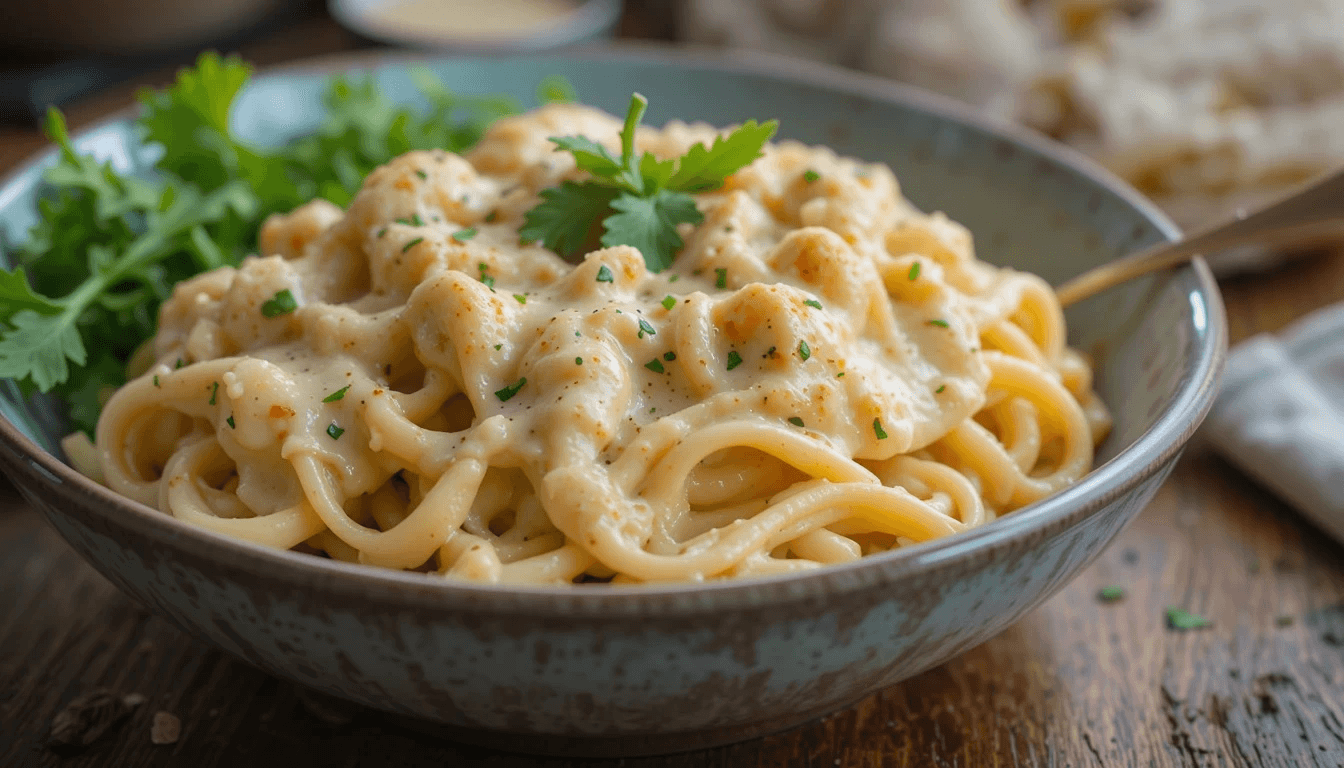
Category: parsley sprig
<point>86,287</point>
<point>638,200</point>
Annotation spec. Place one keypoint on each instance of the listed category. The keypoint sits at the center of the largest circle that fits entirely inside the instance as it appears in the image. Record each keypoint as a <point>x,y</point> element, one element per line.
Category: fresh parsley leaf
<point>913,274</point>
<point>669,302</point>
<point>637,200</point>
<point>734,359</point>
<point>282,303</point>
<point>655,365</point>
<point>1183,620</point>
<point>813,303</point>
<point>604,275</point>
<point>1111,594</point>
<point>701,169</point>
<point>508,392</point>
<point>567,215</point>
<point>795,421</point>
<point>334,432</point>
<point>589,155</point>
<point>878,430</point>
<point>649,224</point>
<point>337,395</point>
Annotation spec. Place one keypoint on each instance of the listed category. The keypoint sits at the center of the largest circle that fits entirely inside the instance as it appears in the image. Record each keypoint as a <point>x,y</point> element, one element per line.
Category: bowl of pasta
<point>703,398</point>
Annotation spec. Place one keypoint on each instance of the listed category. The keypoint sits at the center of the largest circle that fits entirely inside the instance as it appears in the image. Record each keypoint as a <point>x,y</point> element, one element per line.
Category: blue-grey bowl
<point>619,670</point>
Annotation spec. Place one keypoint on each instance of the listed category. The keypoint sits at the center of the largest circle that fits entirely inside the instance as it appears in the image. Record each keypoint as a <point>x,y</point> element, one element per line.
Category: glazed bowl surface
<point>603,669</point>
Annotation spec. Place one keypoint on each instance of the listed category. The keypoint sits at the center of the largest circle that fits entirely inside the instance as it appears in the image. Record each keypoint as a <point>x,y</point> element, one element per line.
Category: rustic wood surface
<point>1078,682</point>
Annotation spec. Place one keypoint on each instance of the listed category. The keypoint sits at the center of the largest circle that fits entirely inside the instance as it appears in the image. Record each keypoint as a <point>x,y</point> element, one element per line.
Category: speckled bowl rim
<point>1117,477</point>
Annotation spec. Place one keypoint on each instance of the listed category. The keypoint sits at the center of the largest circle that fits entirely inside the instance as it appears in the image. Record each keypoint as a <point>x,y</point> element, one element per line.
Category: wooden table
<point>1077,682</point>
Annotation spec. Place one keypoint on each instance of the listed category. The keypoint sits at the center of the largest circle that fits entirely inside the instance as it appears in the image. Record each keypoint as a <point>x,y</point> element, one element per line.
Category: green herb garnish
<point>644,328</point>
<point>282,303</point>
<point>878,430</point>
<point>804,351</point>
<point>511,390</point>
<point>230,422</point>
<point>655,365</point>
<point>669,356</point>
<point>604,274</point>
<point>913,274</point>
<point>462,235</point>
<point>795,421</point>
<point>811,175</point>
<point>734,359</point>
<point>334,432</point>
<point>520,298</point>
<point>940,389</point>
<point>813,303</point>
<point>1111,594</point>
<point>411,244</point>
<point>637,201</point>
<point>109,245</point>
<point>720,277</point>
<point>214,392</point>
<point>1182,620</point>
<point>337,395</point>
<point>939,323</point>
<point>578,361</point>
<point>669,302</point>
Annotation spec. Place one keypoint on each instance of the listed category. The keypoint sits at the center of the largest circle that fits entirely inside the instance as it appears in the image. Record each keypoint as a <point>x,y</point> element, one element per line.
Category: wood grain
<point>1077,682</point>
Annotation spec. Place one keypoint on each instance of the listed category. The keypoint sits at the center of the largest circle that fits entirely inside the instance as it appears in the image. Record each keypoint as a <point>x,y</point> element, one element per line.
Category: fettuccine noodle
<point>824,373</point>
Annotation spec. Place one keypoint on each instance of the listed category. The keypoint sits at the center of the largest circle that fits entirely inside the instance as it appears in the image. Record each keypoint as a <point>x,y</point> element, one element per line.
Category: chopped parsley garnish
<point>811,175</point>
<point>795,421</point>
<point>511,390</point>
<point>411,244</point>
<point>337,395</point>
<point>421,174</point>
<point>214,392</point>
<point>334,432</point>
<point>840,375</point>
<point>462,235</point>
<point>878,430</point>
<point>637,200</point>
<point>1111,594</point>
<point>673,278</point>
<point>520,298</point>
<point>939,323</point>
<point>382,231</point>
<point>804,351</point>
<point>940,389</point>
<point>669,302</point>
<point>813,303</point>
<point>578,361</point>
<point>644,328</point>
<point>655,365</point>
<point>720,277</point>
<point>498,347</point>
<point>282,303</point>
<point>604,274</point>
<point>1183,620</point>
<point>180,362</point>
<point>734,359</point>
<point>669,356</point>
<point>484,269</point>
<point>491,216</point>
<point>913,274</point>
<point>156,379</point>
<point>230,422</point>
<point>416,220</point>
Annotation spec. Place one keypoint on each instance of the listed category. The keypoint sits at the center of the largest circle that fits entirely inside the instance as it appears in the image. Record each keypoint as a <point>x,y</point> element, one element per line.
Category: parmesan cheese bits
<point>823,373</point>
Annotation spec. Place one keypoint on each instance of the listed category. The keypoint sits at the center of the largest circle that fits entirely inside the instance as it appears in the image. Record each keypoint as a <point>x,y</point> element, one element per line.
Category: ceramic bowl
<point>612,670</point>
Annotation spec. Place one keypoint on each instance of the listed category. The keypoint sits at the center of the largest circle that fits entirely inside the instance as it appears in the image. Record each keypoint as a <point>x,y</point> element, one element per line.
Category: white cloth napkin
<point>1280,416</point>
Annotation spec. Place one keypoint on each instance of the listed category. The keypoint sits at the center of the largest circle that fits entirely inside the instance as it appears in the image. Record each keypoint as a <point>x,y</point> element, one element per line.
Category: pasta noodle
<point>824,373</point>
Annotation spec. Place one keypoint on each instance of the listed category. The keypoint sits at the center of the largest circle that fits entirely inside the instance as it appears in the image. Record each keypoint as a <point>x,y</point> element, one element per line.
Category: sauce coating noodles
<point>824,373</point>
